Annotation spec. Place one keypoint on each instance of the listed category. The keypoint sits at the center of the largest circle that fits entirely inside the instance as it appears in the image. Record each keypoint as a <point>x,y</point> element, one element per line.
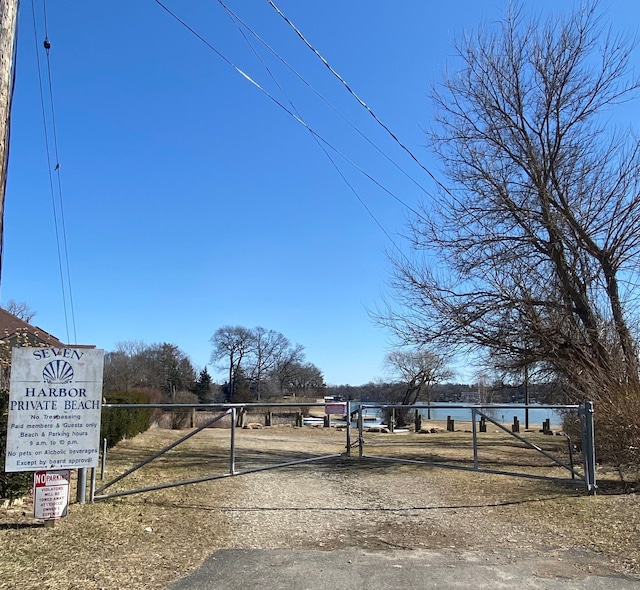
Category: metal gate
<point>482,414</point>
<point>232,411</point>
<point>479,414</point>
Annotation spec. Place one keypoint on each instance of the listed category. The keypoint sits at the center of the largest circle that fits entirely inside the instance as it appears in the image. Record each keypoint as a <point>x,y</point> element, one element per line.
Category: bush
<point>616,429</point>
<point>118,424</point>
<point>12,485</point>
<point>181,417</point>
<point>617,432</point>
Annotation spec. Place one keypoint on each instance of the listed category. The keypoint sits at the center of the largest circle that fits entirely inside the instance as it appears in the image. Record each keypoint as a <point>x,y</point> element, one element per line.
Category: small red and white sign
<point>51,493</point>
<point>339,409</point>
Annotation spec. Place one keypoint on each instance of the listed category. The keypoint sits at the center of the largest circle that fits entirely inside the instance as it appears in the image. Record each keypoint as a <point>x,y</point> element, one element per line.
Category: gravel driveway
<point>354,517</point>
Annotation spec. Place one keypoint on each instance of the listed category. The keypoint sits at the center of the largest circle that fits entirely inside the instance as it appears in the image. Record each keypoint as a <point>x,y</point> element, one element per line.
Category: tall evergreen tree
<point>203,386</point>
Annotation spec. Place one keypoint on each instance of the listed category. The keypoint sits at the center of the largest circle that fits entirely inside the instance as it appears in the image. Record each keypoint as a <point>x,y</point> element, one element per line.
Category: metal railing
<point>230,410</point>
<point>585,413</point>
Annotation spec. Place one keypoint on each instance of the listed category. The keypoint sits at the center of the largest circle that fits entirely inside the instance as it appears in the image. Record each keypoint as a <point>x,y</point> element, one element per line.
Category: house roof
<point>12,326</point>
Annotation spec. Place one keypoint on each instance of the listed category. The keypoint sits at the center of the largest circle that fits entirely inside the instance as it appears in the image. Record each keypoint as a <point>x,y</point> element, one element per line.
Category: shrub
<point>120,423</point>
<point>180,417</point>
<point>12,485</point>
<point>616,430</point>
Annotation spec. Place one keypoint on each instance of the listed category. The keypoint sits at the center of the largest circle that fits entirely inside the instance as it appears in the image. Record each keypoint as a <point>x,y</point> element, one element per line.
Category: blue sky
<point>193,201</point>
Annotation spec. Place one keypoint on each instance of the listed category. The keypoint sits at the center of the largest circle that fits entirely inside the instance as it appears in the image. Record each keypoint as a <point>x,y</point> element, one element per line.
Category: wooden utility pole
<point>8,22</point>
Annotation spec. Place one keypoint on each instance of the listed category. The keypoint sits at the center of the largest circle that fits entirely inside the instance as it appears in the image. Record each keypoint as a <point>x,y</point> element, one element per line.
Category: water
<point>373,416</point>
<point>505,415</point>
<point>536,415</point>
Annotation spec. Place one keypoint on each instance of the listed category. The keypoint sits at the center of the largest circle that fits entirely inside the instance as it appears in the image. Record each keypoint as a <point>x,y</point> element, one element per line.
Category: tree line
<point>259,364</point>
<point>162,369</point>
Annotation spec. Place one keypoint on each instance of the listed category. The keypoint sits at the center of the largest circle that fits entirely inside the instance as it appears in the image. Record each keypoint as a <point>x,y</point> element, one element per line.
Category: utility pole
<point>8,22</point>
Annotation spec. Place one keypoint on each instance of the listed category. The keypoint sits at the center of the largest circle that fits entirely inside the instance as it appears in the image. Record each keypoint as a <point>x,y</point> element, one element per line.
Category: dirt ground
<point>149,540</point>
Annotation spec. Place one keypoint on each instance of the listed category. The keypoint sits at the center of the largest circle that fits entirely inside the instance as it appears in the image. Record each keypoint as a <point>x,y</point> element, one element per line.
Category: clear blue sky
<point>193,201</point>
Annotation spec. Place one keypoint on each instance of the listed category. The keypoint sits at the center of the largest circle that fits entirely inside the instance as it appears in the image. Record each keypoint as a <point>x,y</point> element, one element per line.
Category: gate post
<point>360,439</point>
<point>475,438</point>
<point>232,457</point>
<point>592,445</point>
<point>585,412</point>
<point>348,407</point>
<point>103,458</point>
<point>92,485</point>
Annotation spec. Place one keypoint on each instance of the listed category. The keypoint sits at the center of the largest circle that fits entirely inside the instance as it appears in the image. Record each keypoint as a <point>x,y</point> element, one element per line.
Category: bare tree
<point>160,367</point>
<point>122,367</point>
<point>266,349</point>
<point>287,362</point>
<point>263,359</point>
<point>231,343</point>
<point>305,380</point>
<point>20,309</point>
<point>419,370</point>
<point>532,253</point>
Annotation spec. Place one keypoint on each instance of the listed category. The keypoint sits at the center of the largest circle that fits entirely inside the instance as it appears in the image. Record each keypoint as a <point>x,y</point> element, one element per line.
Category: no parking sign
<point>51,493</point>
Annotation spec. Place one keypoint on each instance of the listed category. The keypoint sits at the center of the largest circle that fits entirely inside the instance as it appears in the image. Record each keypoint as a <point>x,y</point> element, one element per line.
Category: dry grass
<point>148,540</point>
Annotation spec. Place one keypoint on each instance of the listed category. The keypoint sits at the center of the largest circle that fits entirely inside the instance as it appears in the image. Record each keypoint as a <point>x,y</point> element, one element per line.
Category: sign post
<point>55,400</point>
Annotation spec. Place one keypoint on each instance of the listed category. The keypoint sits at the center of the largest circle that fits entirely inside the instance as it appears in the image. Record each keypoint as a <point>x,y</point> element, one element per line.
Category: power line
<point>321,97</point>
<point>54,127</point>
<point>50,173</point>
<point>318,142</point>
<point>282,106</point>
<point>360,101</point>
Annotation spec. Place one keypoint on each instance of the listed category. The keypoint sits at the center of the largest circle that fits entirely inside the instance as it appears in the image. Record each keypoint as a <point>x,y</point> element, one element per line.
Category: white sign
<point>55,399</point>
<point>51,494</point>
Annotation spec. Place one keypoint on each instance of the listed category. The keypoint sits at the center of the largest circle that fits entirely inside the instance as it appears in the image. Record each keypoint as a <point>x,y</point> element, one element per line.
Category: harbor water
<point>537,415</point>
<point>504,415</point>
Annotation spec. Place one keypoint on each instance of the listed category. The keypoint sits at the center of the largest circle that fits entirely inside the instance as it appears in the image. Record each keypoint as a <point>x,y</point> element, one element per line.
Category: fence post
<point>92,485</point>
<point>588,448</point>
<point>348,408</point>
<point>475,438</point>
<point>103,458</point>
<point>232,455</point>
<point>360,429</point>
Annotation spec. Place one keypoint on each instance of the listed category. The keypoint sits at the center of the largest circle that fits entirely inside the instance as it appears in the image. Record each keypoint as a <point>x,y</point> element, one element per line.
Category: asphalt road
<point>418,569</point>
